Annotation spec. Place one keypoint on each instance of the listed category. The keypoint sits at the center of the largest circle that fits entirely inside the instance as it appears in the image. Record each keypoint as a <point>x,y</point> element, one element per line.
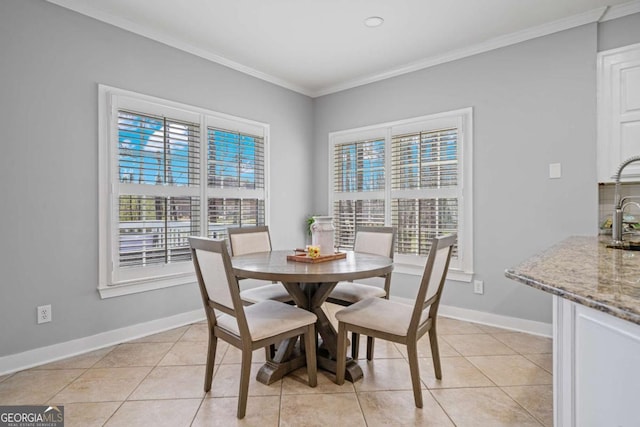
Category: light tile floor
<point>491,377</point>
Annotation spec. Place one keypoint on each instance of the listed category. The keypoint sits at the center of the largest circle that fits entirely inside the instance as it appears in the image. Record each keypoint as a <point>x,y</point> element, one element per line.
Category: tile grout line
<point>223,355</point>
<point>440,405</point>
<point>146,376</point>
<point>529,412</point>
<point>87,370</point>
<point>523,408</point>
<point>126,399</point>
<point>195,415</point>
<point>359,403</point>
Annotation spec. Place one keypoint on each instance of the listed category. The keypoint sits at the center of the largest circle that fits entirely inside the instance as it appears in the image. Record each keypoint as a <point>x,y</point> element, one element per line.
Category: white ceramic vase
<point>322,234</point>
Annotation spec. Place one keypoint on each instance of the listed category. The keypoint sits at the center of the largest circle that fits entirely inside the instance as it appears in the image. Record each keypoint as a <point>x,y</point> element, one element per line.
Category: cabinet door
<point>596,359</point>
<point>618,112</point>
<point>607,370</point>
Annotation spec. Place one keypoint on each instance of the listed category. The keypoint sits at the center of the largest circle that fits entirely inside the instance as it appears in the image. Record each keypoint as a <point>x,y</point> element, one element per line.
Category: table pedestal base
<point>353,372</point>
<point>273,371</point>
<point>289,357</point>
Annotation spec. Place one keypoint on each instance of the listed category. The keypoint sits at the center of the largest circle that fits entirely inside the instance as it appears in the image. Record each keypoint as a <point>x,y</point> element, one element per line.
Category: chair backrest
<point>248,240</point>
<point>433,278</point>
<point>218,285</point>
<point>375,240</point>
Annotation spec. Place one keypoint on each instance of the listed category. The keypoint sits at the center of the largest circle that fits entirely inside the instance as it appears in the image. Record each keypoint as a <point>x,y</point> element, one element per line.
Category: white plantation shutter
<point>155,230</point>
<point>169,171</point>
<point>230,212</point>
<point>157,156</point>
<point>235,160</point>
<point>349,214</point>
<point>419,220</point>
<point>236,180</point>
<point>358,188</point>
<point>424,183</point>
<point>412,174</point>
<point>424,160</point>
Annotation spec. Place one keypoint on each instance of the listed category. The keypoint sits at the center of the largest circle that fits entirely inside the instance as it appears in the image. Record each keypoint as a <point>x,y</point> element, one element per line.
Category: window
<point>235,179</point>
<point>358,183</point>
<point>158,177</point>
<point>169,171</point>
<point>414,175</point>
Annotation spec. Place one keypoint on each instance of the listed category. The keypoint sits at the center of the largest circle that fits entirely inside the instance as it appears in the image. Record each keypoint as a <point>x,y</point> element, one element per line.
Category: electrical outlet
<point>478,287</point>
<point>44,314</point>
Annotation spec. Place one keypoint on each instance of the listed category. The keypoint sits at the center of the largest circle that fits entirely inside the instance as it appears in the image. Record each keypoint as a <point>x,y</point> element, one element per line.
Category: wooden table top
<point>275,266</point>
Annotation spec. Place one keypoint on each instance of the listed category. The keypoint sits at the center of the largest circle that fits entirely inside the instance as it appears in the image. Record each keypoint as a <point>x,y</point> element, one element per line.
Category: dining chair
<point>244,327</point>
<point>247,240</point>
<point>402,323</point>
<point>371,240</point>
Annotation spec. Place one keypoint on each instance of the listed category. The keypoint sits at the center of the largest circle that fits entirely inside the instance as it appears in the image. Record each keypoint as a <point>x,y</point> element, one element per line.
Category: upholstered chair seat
<point>248,240</point>
<point>371,240</point>
<point>390,317</point>
<point>402,323</point>
<point>245,327</point>
<point>274,292</point>
<point>268,318</point>
<point>352,292</point>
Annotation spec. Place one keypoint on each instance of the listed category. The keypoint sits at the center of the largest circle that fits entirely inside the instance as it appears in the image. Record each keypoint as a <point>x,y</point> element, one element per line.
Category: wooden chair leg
<point>310,350</point>
<point>341,354</point>
<point>435,352</point>
<point>211,358</point>
<point>245,374</point>
<point>355,345</point>
<point>412,355</point>
<point>370,342</point>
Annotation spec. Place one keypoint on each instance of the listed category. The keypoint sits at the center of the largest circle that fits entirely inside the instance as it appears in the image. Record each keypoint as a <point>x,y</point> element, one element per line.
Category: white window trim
<point>109,284</point>
<point>413,264</point>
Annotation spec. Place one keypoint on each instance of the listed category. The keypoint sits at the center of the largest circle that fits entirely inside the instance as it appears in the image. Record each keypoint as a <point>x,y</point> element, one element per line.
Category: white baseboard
<point>39,356</point>
<point>512,323</point>
<point>52,353</point>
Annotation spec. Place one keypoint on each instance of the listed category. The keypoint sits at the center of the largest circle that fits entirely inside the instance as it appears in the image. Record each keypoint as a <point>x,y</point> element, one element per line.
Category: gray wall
<point>534,104</point>
<point>52,60</point>
<point>619,32</point>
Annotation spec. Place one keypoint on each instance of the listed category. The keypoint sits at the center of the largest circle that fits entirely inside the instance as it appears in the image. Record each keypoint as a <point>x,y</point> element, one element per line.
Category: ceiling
<point>317,47</point>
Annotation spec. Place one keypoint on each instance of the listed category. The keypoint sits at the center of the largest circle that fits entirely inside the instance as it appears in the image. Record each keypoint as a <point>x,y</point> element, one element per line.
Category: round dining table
<point>309,285</point>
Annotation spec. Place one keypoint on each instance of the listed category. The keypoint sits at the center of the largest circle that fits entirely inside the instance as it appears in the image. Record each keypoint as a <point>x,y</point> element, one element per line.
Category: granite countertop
<point>584,270</point>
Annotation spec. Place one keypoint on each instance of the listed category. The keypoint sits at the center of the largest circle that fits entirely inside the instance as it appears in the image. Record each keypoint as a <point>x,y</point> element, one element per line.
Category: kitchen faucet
<point>616,229</point>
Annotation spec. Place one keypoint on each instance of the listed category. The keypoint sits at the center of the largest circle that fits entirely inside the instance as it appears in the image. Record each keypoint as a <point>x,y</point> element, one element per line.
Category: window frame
<point>114,281</point>
<point>462,119</point>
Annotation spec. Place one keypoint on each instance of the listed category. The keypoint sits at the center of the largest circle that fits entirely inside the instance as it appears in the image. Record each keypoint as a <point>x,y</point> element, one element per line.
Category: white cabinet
<point>618,111</point>
<point>596,367</point>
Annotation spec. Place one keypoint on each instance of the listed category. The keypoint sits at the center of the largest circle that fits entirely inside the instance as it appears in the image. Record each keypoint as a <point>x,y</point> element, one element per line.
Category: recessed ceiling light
<point>373,21</point>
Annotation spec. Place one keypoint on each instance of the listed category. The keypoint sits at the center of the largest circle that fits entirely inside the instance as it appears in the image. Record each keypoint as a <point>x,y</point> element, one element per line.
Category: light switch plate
<point>555,170</point>
<point>478,287</point>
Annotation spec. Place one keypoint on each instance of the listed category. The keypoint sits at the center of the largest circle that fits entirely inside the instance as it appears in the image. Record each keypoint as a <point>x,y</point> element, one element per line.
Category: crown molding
<point>86,8</point>
<point>491,44</point>
<point>596,15</point>
<point>618,11</point>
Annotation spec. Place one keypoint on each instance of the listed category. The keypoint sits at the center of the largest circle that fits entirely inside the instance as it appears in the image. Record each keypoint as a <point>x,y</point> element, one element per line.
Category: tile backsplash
<point>606,193</point>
